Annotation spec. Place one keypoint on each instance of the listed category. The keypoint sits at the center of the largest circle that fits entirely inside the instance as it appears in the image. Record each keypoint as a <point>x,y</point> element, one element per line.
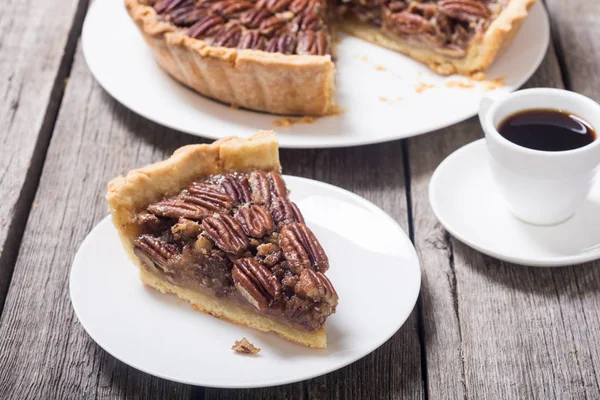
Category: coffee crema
<point>547,130</point>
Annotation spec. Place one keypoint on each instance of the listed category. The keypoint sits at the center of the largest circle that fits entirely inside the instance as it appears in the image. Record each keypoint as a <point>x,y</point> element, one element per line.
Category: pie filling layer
<point>300,26</point>
<point>240,237</point>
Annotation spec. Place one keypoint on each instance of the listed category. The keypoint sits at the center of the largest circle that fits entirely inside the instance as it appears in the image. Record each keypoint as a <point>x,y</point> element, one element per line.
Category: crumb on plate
<point>421,87</point>
<point>245,347</point>
<point>380,68</point>
<point>494,84</point>
<point>459,84</point>
<point>286,122</point>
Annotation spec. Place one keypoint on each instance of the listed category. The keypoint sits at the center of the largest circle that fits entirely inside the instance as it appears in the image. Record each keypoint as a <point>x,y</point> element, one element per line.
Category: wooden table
<point>481,329</point>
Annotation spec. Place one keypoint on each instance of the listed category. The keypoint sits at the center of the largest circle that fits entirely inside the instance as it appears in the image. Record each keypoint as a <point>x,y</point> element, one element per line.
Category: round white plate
<point>381,105</point>
<point>466,202</point>
<point>374,268</point>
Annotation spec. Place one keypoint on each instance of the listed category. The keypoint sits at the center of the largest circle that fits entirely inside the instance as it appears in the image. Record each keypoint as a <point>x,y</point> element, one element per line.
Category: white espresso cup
<point>540,187</point>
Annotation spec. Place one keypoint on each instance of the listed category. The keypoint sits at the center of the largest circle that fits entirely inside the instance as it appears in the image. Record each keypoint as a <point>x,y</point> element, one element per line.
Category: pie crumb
<point>234,106</point>
<point>364,58</point>
<point>421,87</point>
<point>390,101</point>
<point>380,68</point>
<point>494,84</point>
<point>245,347</point>
<point>287,122</point>
<point>459,84</point>
<point>478,76</point>
<point>35,205</point>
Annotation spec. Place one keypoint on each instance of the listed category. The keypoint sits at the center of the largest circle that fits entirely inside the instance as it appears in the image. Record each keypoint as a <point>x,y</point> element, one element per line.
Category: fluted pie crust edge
<point>258,80</point>
<point>482,51</point>
<point>130,194</point>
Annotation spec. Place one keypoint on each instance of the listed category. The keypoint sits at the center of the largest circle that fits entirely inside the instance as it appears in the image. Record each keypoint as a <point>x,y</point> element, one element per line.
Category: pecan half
<point>307,6</point>
<point>316,286</point>
<point>226,232</point>
<point>251,39</point>
<point>254,17</point>
<point>237,188</point>
<point>464,10</point>
<point>314,43</point>
<point>208,197</point>
<point>165,6</point>
<point>278,187</point>
<point>153,252</point>
<point>206,26</point>
<point>409,24</point>
<point>302,249</point>
<point>306,22</point>
<point>187,15</point>
<point>272,25</point>
<point>255,282</point>
<point>276,6</point>
<point>177,208</point>
<point>228,8</point>
<point>285,212</point>
<point>229,37</point>
<point>255,221</point>
<point>260,188</point>
<point>284,43</point>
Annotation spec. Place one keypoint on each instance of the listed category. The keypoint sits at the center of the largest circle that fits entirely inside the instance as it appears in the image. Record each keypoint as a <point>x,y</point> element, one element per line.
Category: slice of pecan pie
<point>214,225</point>
<point>275,55</point>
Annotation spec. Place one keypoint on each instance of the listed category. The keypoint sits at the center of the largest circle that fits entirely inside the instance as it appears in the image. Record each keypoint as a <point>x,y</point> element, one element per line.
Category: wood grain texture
<point>495,330</point>
<point>36,48</point>
<point>575,26</point>
<point>45,352</point>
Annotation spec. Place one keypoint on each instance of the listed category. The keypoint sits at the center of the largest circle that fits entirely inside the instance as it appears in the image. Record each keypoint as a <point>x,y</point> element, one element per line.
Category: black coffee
<point>547,130</point>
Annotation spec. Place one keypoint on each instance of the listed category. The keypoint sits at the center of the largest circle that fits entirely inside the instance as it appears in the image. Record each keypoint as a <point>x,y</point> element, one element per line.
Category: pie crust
<point>129,195</point>
<point>300,84</point>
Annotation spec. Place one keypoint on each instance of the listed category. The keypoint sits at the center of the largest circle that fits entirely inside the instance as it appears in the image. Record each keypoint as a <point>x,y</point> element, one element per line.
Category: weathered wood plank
<point>495,330</point>
<point>45,352</point>
<point>575,27</point>
<point>37,41</point>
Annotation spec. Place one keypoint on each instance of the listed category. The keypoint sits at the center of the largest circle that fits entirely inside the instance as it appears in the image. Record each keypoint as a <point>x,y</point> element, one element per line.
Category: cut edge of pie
<point>130,195</point>
<point>272,82</point>
<point>483,50</point>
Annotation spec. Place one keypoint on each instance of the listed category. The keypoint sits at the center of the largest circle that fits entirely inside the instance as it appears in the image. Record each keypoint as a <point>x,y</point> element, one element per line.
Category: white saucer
<point>374,268</point>
<point>466,202</point>
<point>382,105</point>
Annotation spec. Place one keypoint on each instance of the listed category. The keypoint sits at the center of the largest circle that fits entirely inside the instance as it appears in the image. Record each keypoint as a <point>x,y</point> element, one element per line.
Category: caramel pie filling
<point>242,238</point>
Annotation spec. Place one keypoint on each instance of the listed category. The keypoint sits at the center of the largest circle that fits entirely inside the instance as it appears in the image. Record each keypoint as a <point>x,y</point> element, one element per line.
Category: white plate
<point>466,202</point>
<point>123,64</point>
<point>374,268</point>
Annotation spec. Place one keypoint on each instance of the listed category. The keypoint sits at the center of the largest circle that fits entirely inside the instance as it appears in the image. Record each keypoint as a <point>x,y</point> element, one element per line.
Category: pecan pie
<point>275,55</point>
<point>214,225</point>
